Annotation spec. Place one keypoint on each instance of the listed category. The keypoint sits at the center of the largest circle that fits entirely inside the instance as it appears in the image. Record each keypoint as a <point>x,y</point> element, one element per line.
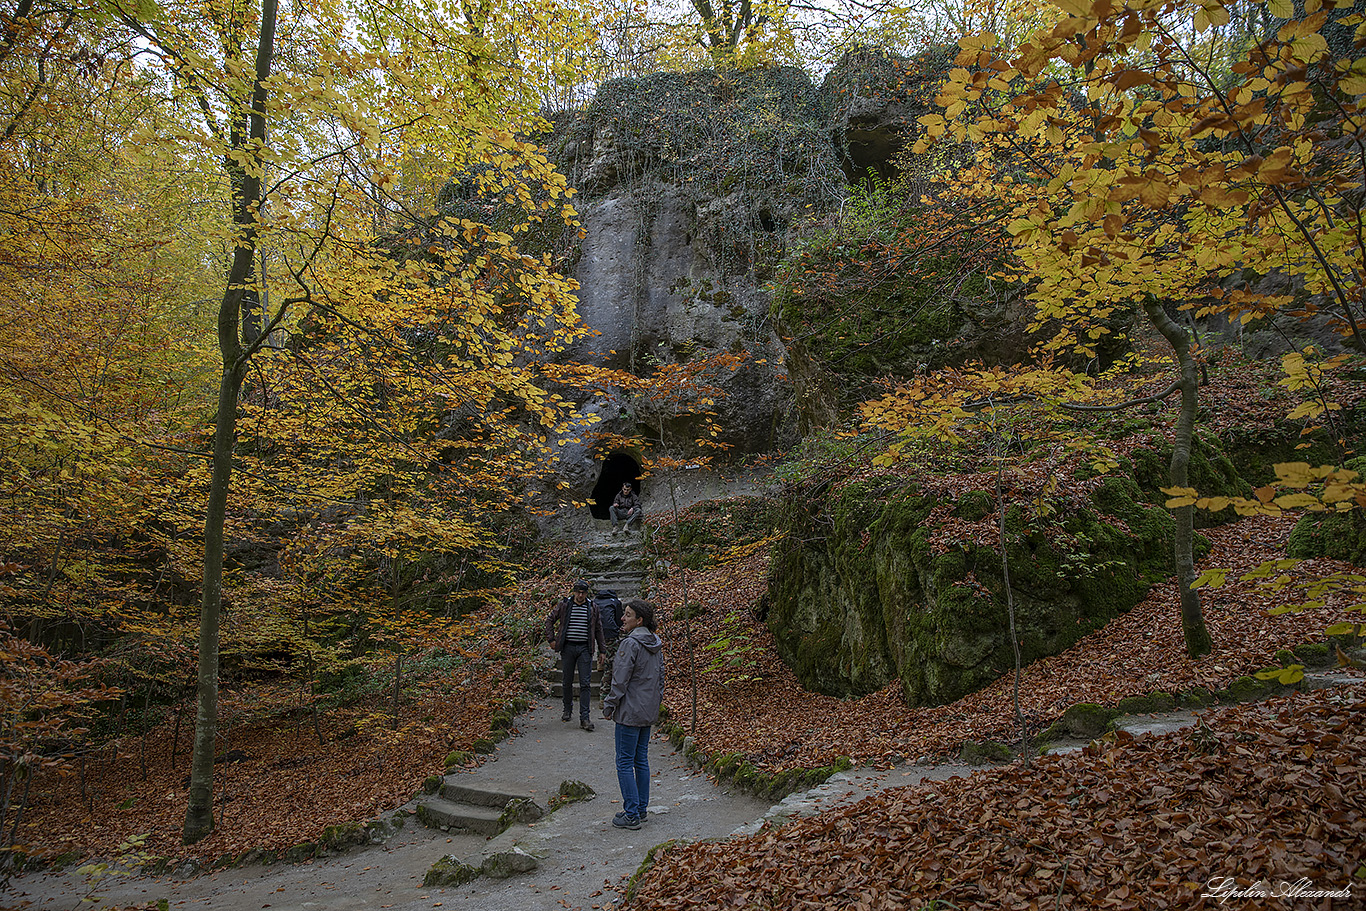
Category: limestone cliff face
<point>692,189</point>
<point>688,186</point>
<point>879,580</point>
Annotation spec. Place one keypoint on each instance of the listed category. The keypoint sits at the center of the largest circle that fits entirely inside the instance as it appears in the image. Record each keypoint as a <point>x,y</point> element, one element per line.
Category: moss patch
<point>1151,704</point>
<point>1315,654</point>
<point>519,811</point>
<point>1085,720</point>
<point>571,791</point>
<point>743,775</point>
<point>450,871</point>
<point>984,753</point>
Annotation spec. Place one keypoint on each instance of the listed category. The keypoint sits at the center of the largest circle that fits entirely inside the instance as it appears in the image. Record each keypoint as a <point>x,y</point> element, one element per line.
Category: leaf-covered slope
<point>777,725</point>
<point>1271,791</point>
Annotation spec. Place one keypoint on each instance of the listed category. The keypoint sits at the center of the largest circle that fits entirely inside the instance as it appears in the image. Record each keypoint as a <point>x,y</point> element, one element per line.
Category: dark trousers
<point>577,655</point>
<point>619,515</point>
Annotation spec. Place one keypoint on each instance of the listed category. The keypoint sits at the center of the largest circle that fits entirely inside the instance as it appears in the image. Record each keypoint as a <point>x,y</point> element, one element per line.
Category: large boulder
<point>873,583</point>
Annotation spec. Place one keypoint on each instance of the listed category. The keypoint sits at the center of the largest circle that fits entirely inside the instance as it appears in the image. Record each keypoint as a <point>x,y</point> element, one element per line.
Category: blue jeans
<point>577,655</point>
<point>633,768</point>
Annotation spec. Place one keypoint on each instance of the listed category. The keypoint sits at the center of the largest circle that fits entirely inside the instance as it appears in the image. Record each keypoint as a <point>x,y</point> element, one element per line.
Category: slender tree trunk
<point>146,728</point>
<point>246,206</point>
<point>199,812</point>
<point>313,686</point>
<point>1198,641</point>
<point>1010,595</point>
<point>395,594</point>
<point>687,611</point>
<point>19,810</point>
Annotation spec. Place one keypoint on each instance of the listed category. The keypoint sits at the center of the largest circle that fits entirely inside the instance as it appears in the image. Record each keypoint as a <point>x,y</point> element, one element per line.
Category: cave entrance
<point>617,469</point>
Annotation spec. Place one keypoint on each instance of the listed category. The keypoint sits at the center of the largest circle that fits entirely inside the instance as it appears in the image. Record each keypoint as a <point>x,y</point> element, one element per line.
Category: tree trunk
<point>687,608</point>
<point>246,206</point>
<point>1005,577</point>
<point>1198,640</point>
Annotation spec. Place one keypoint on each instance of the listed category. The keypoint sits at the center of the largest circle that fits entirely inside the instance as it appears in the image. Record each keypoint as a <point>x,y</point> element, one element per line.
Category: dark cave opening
<point>617,469</point>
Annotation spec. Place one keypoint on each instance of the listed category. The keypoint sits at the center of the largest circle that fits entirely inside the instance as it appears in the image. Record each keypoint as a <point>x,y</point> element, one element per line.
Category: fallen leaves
<point>1267,792</point>
<point>285,787</point>
<point>777,725</point>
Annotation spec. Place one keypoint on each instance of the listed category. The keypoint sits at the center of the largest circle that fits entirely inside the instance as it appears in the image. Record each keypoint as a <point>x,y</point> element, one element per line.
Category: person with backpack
<point>572,629</point>
<point>609,615</point>
<point>633,703</point>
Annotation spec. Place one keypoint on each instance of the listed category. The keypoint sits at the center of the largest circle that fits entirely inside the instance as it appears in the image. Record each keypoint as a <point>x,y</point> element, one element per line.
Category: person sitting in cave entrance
<point>625,508</point>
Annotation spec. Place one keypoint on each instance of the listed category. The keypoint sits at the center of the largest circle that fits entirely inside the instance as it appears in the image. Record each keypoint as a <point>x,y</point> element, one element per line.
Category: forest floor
<point>586,859</point>
<point>777,724</point>
<point>283,799</point>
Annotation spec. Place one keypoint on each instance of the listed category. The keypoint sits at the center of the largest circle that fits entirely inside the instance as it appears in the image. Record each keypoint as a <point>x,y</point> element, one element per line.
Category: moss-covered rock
<point>983,753</point>
<point>1246,689</point>
<point>1211,472</point>
<point>1254,451</point>
<point>508,863</point>
<point>342,836</point>
<point>459,758</point>
<point>571,791</point>
<point>1153,703</point>
<point>520,811</point>
<point>301,852</point>
<point>450,871</point>
<point>1314,654</point>
<point>1199,698</point>
<point>1339,535</point>
<point>862,591</point>
<point>483,746</point>
<point>1086,720</point>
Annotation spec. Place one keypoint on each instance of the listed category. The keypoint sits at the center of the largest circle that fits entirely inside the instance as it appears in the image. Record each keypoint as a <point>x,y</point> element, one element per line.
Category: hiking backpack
<point>609,613</point>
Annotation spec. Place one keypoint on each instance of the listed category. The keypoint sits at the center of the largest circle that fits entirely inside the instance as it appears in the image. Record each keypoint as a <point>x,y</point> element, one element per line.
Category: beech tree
<point>99,350</point>
<point>320,156</point>
<point>1138,178</point>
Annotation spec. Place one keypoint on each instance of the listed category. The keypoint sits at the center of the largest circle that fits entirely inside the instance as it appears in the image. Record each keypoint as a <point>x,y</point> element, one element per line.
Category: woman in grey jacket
<point>633,703</point>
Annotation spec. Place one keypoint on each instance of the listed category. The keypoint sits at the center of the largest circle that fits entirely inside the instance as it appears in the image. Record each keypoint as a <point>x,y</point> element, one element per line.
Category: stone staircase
<point>614,562</point>
<point>554,677</point>
<point>487,808</point>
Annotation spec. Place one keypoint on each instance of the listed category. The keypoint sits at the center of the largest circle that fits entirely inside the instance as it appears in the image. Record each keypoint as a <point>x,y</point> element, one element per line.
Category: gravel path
<point>586,861</point>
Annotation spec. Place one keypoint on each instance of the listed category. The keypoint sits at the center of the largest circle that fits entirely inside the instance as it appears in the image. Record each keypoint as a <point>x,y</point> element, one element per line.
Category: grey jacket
<point>637,680</point>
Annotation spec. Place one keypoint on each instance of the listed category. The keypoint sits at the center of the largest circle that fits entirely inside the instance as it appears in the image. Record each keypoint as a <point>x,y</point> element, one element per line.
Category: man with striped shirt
<point>573,629</point>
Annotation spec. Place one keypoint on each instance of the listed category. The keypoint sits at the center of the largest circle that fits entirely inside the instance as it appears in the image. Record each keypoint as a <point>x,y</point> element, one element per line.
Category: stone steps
<point>484,808</point>
<point>614,562</point>
<point>556,681</point>
<point>557,691</point>
<point>439,813</point>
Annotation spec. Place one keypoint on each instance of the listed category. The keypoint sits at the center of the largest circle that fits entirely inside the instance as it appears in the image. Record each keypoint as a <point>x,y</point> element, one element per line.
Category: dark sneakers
<point>566,716</point>
<point>622,821</point>
<point>586,724</point>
